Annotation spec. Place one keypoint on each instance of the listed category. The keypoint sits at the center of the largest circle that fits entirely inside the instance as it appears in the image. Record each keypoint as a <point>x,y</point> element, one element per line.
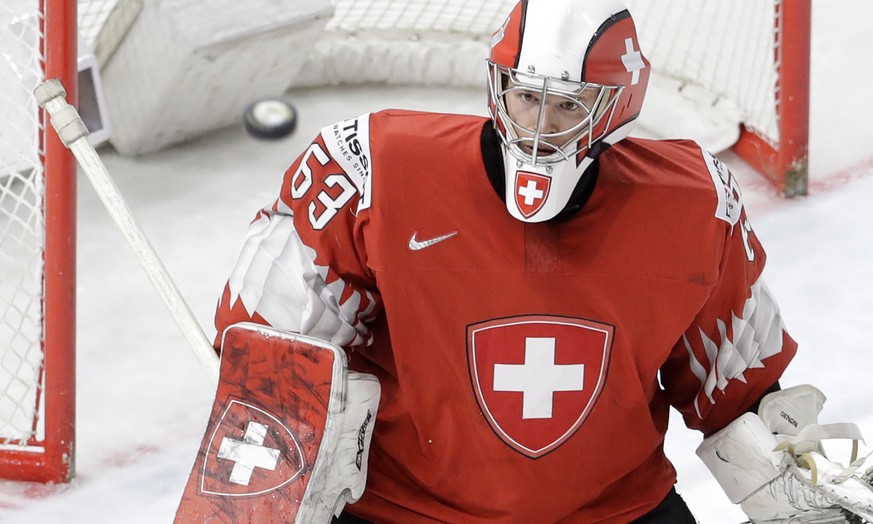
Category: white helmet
<point>566,78</point>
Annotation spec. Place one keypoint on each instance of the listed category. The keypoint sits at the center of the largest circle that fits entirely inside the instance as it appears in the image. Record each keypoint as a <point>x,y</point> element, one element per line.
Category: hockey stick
<point>72,131</point>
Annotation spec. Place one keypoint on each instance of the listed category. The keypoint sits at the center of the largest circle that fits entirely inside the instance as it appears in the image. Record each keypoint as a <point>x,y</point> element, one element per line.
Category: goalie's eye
<point>527,97</point>
<point>569,106</point>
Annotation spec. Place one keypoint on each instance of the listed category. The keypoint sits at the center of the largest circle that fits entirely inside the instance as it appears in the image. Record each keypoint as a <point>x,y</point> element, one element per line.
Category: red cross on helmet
<point>566,78</point>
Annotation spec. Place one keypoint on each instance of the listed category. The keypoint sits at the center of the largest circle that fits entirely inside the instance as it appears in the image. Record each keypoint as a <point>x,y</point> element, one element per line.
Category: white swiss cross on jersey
<point>531,190</point>
<point>537,377</point>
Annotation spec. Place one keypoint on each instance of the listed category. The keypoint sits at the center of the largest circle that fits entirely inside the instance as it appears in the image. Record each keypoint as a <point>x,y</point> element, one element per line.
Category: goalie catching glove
<point>773,465</point>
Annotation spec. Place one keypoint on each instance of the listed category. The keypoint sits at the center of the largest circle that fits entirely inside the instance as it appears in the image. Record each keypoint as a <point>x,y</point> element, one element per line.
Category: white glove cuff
<point>741,457</point>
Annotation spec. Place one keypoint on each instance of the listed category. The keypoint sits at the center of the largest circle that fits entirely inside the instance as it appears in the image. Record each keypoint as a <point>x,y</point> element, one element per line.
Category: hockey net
<point>729,74</point>
<point>37,221</point>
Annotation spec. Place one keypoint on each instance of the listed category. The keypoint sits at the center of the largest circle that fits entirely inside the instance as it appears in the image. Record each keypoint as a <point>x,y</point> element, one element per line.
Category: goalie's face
<point>544,124</point>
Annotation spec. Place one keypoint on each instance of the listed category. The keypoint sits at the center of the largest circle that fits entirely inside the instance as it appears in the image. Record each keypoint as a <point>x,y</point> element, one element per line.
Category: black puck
<point>270,118</point>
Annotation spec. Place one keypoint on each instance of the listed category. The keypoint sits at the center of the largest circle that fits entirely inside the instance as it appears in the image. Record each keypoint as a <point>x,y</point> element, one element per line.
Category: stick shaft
<point>66,121</point>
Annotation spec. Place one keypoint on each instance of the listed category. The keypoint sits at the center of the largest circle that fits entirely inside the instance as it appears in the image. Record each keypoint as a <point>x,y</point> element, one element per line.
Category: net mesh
<point>93,16</point>
<point>719,59</point>
<point>714,52</point>
<point>21,224</point>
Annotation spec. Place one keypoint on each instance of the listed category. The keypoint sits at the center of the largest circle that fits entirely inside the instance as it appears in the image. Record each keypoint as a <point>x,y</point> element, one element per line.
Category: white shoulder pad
<point>349,144</point>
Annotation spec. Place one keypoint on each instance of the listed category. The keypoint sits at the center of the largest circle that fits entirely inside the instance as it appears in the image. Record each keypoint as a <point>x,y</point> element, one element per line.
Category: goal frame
<point>786,166</point>
<point>50,459</point>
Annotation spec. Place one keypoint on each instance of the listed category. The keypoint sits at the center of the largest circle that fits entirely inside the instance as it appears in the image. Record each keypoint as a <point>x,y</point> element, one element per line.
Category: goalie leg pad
<point>289,433</point>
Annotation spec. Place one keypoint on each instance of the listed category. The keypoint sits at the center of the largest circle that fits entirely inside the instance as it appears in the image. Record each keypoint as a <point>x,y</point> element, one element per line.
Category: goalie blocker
<point>289,433</point>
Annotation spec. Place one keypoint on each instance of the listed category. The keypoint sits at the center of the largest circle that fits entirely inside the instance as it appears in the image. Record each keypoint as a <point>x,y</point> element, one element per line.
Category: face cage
<point>603,107</point>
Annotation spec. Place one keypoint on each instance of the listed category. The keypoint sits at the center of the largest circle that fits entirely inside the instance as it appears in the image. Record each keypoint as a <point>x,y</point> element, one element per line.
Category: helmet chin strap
<point>542,193</point>
<point>498,164</point>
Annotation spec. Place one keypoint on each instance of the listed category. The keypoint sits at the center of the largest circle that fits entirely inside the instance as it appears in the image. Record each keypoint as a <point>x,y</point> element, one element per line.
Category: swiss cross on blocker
<point>537,377</point>
<point>531,191</point>
<point>250,452</point>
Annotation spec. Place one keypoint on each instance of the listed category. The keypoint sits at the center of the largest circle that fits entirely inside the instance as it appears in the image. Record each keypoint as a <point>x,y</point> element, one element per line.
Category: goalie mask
<point>566,78</point>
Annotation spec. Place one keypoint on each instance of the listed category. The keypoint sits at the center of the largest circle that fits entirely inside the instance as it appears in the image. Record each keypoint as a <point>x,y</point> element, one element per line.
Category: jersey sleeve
<point>303,264</point>
<point>737,345</point>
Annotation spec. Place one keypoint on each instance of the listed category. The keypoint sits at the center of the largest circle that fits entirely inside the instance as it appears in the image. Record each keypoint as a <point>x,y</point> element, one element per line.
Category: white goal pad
<point>187,67</point>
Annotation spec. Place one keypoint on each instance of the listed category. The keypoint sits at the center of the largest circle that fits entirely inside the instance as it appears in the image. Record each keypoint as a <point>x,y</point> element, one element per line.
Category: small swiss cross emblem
<point>531,191</point>
<point>633,61</point>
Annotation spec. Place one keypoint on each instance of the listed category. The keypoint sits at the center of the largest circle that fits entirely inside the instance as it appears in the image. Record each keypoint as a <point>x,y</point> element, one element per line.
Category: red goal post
<point>785,163</point>
<point>37,248</point>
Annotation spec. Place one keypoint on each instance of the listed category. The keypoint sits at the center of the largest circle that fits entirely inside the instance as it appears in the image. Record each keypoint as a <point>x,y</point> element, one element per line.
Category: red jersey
<point>527,370</point>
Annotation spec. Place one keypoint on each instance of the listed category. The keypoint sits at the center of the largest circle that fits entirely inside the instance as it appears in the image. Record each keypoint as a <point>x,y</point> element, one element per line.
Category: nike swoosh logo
<point>416,245</point>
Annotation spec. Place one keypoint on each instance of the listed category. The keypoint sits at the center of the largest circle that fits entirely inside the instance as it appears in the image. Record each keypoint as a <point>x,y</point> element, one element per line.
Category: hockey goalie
<point>533,292</point>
